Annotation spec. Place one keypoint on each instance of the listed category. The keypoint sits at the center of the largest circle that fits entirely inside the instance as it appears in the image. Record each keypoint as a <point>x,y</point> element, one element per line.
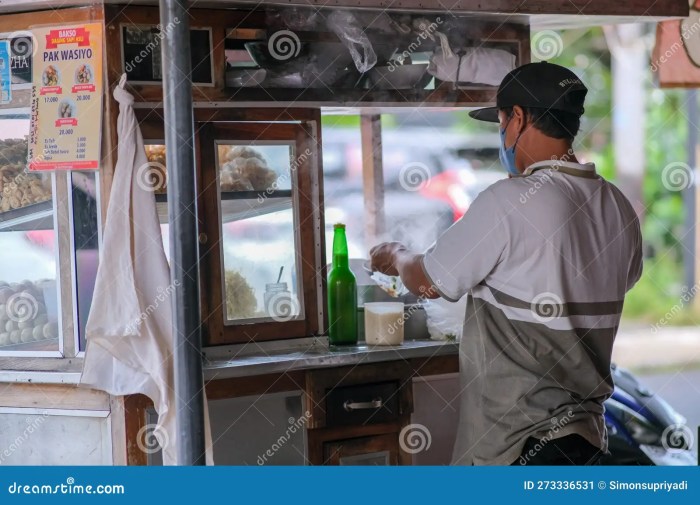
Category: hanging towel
<point>129,333</point>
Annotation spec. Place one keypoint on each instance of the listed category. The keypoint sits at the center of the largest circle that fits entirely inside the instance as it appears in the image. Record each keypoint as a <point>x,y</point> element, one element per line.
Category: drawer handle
<point>349,405</point>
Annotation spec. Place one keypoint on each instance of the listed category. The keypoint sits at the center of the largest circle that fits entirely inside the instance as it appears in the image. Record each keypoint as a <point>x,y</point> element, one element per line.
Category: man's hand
<point>383,257</point>
<point>392,258</point>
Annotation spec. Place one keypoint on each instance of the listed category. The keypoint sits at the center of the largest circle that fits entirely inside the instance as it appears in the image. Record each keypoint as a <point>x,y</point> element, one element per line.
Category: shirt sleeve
<point>468,251</point>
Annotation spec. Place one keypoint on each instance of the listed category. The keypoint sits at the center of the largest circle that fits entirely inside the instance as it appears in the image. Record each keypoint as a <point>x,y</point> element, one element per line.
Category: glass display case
<point>260,201</point>
<point>258,233</point>
<point>49,227</point>
<point>260,218</point>
<point>29,308</point>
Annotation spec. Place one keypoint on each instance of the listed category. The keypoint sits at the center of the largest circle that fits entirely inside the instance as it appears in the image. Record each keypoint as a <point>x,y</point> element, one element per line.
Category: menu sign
<point>66,98</point>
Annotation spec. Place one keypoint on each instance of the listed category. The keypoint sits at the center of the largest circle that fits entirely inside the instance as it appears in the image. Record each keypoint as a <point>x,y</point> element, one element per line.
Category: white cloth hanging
<point>129,334</point>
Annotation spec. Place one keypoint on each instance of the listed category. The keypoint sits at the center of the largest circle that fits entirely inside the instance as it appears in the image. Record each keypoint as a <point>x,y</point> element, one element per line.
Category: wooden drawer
<point>331,392</point>
<point>363,404</point>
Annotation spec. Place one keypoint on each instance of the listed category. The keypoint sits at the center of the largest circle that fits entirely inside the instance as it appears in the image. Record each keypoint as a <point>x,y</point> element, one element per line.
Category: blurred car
<point>459,187</point>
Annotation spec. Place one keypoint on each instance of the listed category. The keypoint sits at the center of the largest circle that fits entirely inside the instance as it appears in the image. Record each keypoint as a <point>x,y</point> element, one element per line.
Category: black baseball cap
<point>539,85</point>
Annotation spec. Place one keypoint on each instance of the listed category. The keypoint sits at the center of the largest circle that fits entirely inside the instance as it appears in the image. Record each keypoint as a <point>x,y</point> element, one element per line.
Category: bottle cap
<point>337,226</point>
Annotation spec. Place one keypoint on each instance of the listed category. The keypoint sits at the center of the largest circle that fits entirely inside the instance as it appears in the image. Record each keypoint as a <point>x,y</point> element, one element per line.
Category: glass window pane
<point>155,175</point>
<point>85,243</point>
<point>259,233</point>
<point>263,168</point>
<point>29,315</point>
<point>428,185</point>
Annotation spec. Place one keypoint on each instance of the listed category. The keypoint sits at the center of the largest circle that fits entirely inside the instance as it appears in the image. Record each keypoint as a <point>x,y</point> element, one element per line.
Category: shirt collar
<point>584,169</point>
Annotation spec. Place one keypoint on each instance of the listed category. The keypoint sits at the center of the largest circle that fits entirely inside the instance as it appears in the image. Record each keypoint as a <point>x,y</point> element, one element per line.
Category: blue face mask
<point>507,155</point>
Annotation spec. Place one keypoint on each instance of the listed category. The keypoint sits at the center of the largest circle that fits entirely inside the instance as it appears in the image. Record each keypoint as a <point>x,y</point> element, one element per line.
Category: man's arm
<point>459,259</point>
<point>392,258</point>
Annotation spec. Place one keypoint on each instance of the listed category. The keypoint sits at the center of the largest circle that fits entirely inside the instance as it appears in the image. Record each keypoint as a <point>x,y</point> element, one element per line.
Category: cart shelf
<point>44,345</point>
<point>239,205</point>
<point>38,216</point>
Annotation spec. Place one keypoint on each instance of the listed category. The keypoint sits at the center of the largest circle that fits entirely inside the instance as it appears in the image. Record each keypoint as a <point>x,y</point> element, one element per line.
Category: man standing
<point>546,257</point>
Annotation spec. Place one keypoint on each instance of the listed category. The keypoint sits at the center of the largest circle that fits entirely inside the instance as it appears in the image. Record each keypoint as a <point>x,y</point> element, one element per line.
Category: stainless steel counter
<point>313,353</point>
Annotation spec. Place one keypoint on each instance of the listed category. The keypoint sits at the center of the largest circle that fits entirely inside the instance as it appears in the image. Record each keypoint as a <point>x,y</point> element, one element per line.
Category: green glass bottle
<point>342,293</point>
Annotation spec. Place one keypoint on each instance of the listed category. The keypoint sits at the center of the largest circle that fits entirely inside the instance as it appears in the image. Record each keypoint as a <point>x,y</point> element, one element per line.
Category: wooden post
<point>629,67</point>
<point>372,177</point>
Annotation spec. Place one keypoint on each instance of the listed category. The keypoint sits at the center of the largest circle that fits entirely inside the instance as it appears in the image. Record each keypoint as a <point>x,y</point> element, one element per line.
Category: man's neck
<point>560,154</point>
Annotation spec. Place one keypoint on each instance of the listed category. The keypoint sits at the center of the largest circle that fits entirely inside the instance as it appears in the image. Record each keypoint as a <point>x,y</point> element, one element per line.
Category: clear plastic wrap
<point>347,28</point>
<point>391,284</point>
<point>445,319</point>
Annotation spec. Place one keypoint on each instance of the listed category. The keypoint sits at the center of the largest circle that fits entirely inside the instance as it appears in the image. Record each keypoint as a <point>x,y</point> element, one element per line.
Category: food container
<point>278,300</point>
<point>384,323</point>
<point>414,326</point>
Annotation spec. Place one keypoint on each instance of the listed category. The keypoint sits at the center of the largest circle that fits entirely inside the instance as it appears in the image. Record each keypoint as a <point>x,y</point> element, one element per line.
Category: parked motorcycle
<point>643,429</point>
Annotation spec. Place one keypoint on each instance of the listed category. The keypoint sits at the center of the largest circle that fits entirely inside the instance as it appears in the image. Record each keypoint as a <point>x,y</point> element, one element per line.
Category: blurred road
<point>680,389</point>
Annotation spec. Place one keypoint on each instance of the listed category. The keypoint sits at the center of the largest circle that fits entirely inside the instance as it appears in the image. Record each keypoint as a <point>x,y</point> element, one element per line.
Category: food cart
<point>262,76</point>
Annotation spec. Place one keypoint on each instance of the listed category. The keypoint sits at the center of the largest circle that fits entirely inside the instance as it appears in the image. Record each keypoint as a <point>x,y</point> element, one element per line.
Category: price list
<point>65,131</point>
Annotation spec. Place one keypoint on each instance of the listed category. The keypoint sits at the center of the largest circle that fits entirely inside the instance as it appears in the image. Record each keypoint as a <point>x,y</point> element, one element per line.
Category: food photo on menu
<point>51,76</point>
<point>83,75</point>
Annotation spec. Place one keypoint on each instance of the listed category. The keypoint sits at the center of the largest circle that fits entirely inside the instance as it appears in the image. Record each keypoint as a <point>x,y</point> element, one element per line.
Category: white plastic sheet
<point>480,65</point>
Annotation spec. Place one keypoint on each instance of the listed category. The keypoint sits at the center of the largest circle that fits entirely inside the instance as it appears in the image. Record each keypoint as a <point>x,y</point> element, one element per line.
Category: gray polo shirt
<point>546,259</point>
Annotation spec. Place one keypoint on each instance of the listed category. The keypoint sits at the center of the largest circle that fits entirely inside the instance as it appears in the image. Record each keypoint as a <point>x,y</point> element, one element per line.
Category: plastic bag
<point>445,319</point>
<point>345,26</point>
<point>391,284</point>
<point>481,65</point>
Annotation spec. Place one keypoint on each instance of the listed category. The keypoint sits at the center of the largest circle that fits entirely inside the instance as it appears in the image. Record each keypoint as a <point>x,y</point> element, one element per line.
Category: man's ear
<point>520,118</point>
